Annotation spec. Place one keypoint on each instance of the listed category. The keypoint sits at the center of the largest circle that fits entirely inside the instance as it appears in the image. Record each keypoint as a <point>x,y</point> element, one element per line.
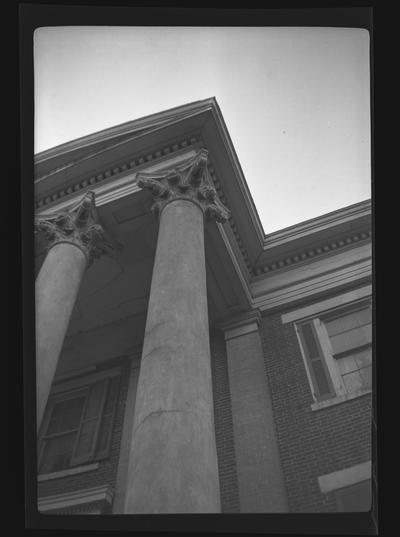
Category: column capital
<point>190,181</point>
<point>78,226</point>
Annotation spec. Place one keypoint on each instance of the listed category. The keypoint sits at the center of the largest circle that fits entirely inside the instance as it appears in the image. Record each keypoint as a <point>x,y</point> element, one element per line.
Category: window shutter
<point>105,433</point>
<point>316,362</point>
<point>89,428</point>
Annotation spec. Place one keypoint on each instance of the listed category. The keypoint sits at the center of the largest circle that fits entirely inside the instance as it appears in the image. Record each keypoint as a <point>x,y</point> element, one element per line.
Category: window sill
<point>69,471</point>
<point>319,405</point>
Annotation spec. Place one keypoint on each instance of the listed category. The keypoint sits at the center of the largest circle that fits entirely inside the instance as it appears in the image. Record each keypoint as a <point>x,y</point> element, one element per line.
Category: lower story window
<point>77,426</point>
<point>355,498</point>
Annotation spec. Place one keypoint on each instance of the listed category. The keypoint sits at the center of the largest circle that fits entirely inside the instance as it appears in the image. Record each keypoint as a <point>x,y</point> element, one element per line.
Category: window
<point>355,498</point>
<point>337,349</point>
<point>77,425</point>
<point>351,487</point>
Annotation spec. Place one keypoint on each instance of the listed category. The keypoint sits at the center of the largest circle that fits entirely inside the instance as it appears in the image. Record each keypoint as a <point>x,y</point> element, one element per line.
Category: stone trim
<point>103,493</point>
<point>345,478</point>
<point>313,253</point>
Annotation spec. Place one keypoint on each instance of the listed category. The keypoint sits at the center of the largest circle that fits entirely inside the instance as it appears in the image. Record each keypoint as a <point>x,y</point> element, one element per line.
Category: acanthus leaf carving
<point>78,225</point>
<point>190,181</point>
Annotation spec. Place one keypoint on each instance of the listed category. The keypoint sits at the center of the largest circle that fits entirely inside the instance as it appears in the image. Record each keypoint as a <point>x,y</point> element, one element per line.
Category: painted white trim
<point>345,478</point>
<point>69,471</point>
<point>69,499</point>
<point>318,307</point>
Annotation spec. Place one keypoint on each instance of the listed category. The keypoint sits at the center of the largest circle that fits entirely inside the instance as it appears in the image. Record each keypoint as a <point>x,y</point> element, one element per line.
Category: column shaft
<point>57,285</point>
<point>173,459</point>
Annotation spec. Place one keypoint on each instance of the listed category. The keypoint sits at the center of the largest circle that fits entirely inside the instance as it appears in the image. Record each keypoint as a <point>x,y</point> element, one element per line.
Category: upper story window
<point>77,425</point>
<point>337,347</point>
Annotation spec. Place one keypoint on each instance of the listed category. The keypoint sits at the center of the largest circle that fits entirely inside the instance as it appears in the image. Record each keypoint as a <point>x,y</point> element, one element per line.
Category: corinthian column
<point>173,460</point>
<point>74,240</point>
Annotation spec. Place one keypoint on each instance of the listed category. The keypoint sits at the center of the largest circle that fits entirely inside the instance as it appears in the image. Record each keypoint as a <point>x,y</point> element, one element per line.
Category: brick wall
<point>106,473</point>
<point>224,426</point>
<point>311,443</point>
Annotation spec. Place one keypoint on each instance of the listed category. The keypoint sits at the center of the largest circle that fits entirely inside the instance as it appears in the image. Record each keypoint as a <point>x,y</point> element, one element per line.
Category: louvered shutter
<point>105,433</point>
<point>316,363</point>
<point>85,445</point>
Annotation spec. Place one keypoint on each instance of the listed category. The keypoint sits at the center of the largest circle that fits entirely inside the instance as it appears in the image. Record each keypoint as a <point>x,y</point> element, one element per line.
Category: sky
<point>296,101</point>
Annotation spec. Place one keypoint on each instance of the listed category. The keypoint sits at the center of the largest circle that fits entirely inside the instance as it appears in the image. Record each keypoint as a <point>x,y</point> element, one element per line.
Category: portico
<point>146,257</point>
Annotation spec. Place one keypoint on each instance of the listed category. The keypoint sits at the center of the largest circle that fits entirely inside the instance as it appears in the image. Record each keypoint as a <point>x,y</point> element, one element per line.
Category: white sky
<point>295,101</point>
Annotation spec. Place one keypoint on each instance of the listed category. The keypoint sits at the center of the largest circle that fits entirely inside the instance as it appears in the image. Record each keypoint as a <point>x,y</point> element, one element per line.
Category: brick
<point>310,443</point>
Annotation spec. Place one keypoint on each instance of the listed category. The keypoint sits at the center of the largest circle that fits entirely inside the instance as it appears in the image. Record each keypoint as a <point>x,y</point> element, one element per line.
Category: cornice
<point>134,164</point>
<point>247,197</point>
<point>318,223</point>
<point>314,253</point>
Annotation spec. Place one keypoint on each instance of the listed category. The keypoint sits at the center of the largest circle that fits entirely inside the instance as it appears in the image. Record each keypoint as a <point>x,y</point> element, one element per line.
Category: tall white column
<point>74,240</point>
<point>173,459</point>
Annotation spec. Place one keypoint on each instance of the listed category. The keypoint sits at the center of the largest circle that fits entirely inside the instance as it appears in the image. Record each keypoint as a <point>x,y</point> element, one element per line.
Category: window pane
<point>341,324</point>
<point>86,438</point>
<point>312,348</point>
<point>94,403</point>
<point>352,381</point>
<point>350,339</point>
<point>65,415</point>
<point>364,316</point>
<point>347,364</point>
<point>320,376</point>
<point>363,358</point>
<point>355,498</point>
<point>366,376</point>
<point>57,453</point>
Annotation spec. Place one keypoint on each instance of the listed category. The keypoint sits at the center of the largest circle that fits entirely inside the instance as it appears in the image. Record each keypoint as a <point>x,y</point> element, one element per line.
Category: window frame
<point>338,392</point>
<point>70,389</point>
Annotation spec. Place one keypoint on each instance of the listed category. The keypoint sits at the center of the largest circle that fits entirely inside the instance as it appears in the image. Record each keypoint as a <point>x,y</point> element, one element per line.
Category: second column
<point>173,459</point>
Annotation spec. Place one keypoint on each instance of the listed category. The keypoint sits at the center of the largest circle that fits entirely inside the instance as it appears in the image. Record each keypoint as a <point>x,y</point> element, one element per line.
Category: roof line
<point>123,128</point>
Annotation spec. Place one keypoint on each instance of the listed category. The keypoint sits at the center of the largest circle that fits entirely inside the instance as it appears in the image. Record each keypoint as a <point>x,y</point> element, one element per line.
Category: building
<point>186,361</point>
